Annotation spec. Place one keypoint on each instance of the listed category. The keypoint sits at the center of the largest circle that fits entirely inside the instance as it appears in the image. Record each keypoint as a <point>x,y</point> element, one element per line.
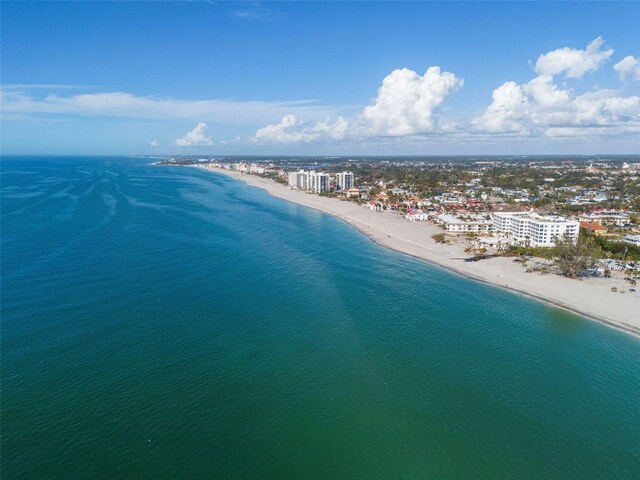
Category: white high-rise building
<point>293,179</point>
<point>344,181</point>
<point>309,181</point>
<point>318,182</point>
<point>299,180</point>
<point>534,229</point>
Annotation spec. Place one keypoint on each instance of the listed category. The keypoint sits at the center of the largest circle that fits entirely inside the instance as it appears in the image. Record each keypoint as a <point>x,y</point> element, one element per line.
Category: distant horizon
<point>354,156</point>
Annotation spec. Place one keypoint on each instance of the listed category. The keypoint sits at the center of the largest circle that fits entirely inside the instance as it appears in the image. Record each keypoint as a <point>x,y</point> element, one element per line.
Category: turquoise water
<point>162,322</point>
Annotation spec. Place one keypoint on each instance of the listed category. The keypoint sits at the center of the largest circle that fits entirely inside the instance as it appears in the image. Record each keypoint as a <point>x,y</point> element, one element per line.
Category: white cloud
<point>572,62</point>
<point>407,108</point>
<point>628,68</point>
<point>120,104</point>
<point>541,107</point>
<point>154,143</point>
<point>195,137</point>
<point>257,12</point>
<point>407,104</point>
<point>506,111</point>
<point>292,130</point>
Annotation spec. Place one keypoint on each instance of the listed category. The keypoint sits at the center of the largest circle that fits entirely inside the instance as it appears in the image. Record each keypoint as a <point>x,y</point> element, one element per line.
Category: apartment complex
<point>344,181</point>
<point>309,181</point>
<point>534,229</point>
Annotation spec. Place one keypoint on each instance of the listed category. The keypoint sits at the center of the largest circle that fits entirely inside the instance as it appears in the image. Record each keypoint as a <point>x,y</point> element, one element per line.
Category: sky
<point>319,78</point>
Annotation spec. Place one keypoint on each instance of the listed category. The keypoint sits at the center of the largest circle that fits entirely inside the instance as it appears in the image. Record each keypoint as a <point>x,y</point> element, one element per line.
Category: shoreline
<point>590,298</point>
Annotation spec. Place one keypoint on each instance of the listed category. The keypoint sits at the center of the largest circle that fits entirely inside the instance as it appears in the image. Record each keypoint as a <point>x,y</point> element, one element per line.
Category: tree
<point>480,252</point>
<point>439,237</point>
<point>574,258</point>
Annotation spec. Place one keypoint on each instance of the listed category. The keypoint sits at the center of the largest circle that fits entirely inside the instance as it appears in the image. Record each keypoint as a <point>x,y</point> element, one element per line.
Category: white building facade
<point>632,239</point>
<point>309,181</point>
<point>318,182</point>
<point>534,229</point>
<point>457,225</point>
<point>345,181</point>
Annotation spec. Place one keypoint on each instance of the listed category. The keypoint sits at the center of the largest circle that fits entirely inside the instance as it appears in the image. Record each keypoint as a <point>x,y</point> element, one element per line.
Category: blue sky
<point>320,78</point>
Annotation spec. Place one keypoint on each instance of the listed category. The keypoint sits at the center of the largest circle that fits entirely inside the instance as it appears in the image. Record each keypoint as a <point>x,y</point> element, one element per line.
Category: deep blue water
<point>163,322</point>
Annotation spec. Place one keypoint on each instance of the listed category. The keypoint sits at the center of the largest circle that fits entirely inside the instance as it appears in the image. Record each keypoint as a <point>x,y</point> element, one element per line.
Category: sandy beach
<point>591,297</point>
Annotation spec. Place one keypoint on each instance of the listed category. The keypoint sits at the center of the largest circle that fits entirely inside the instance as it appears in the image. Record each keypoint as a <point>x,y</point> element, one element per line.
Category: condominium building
<point>318,182</point>
<point>298,180</point>
<point>534,229</point>
<point>309,181</point>
<point>344,181</point>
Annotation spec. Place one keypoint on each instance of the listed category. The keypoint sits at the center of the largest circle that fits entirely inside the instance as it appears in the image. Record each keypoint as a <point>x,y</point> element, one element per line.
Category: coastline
<point>590,298</point>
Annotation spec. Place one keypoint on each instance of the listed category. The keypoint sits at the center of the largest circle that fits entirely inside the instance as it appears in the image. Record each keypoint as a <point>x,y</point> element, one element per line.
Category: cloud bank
<point>408,107</point>
<point>121,104</point>
<point>407,104</point>
<point>541,107</point>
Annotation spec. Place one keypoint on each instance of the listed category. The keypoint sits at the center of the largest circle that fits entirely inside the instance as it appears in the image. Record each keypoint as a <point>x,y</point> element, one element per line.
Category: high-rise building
<point>309,181</point>
<point>344,181</point>
<point>299,180</point>
<point>318,182</point>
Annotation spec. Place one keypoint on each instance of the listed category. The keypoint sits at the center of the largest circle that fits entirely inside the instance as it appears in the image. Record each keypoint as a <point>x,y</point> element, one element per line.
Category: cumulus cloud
<point>572,62</point>
<point>541,107</point>
<point>292,130</point>
<point>628,68</point>
<point>196,137</point>
<point>154,143</point>
<point>407,104</point>
<point>506,112</point>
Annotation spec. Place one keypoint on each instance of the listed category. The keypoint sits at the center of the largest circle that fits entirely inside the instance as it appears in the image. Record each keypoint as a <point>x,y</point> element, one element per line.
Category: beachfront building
<point>318,182</point>
<point>345,181</point>
<point>471,224</point>
<point>255,168</point>
<point>416,216</point>
<point>298,180</point>
<point>309,181</point>
<point>533,229</point>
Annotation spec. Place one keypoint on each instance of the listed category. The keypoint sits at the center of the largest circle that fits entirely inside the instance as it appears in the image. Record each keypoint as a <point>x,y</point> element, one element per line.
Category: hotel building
<point>344,181</point>
<point>534,229</point>
<point>309,181</point>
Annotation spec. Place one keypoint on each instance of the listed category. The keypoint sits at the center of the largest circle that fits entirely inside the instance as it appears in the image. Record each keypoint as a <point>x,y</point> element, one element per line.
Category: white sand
<point>591,297</point>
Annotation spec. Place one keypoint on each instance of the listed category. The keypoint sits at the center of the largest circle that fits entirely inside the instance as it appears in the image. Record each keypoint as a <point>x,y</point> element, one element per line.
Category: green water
<point>160,322</point>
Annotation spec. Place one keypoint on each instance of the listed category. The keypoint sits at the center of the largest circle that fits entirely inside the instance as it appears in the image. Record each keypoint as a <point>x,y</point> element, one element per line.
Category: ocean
<point>164,322</point>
